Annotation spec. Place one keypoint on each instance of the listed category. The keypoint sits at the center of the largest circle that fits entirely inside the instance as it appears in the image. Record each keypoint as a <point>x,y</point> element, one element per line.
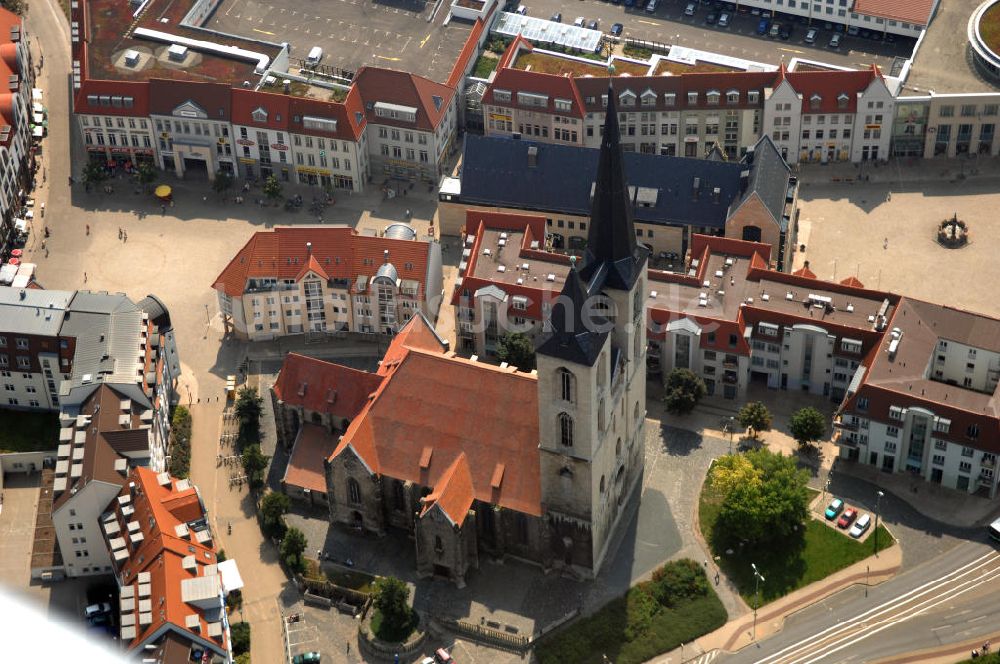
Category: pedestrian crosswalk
<point>705,658</point>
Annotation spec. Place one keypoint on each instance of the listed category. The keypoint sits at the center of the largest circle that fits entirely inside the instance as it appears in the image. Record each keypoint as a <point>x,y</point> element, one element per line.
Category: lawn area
<point>350,579</point>
<point>821,552</point>
<point>667,67</point>
<point>28,432</point>
<point>652,618</point>
<point>989,28</point>
<point>485,65</point>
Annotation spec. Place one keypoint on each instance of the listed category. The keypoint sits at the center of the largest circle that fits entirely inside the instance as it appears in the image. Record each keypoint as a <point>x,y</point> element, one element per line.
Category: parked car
<point>557,17</point>
<point>763,26</point>
<point>711,18</point>
<point>651,7</point>
<point>774,31</point>
<point>861,525</point>
<point>786,31</point>
<point>522,10</point>
<point>847,518</point>
<point>865,34</point>
<point>765,14</point>
<point>99,620</point>
<point>593,25</point>
<point>724,20</point>
<point>811,36</point>
<point>690,9</point>
<point>579,21</point>
<point>617,29</point>
<point>442,656</point>
<point>853,31</point>
<point>835,40</point>
<point>835,507</point>
<point>96,609</point>
<point>755,11</point>
<point>307,658</point>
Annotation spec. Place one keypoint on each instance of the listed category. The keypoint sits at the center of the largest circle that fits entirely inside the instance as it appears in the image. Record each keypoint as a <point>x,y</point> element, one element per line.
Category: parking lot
<point>352,33</point>
<point>739,39</point>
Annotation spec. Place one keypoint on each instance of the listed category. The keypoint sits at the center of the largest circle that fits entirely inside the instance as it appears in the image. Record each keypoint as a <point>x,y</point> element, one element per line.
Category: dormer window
<point>713,97</point>
<point>564,105</point>
<point>648,98</point>
<point>259,114</point>
<point>501,96</point>
<point>842,100</point>
<point>753,96</point>
<point>815,101</point>
<point>733,97</point>
<point>693,98</point>
<point>670,99</point>
<point>627,98</point>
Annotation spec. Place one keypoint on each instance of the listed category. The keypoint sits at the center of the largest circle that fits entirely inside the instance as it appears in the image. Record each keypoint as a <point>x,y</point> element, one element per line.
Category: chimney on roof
<point>309,248</point>
<point>533,156</point>
<point>716,192</point>
<point>385,256</point>
<point>744,180</point>
<point>287,84</point>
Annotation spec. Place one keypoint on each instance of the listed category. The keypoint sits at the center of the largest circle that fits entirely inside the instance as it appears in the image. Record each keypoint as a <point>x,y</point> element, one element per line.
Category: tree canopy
<point>392,598</point>
<point>683,391</point>
<point>756,417</point>
<point>516,349</point>
<point>249,407</point>
<point>272,187</point>
<point>807,425</point>
<point>765,505</point>
<point>254,465</point>
<point>292,547</point>
<point>222,182</point>
<point>273,508</point>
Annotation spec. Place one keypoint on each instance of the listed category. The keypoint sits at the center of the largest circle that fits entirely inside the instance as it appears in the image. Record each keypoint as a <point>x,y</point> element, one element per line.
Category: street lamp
<point>878,500</point>
<point>758,577</point>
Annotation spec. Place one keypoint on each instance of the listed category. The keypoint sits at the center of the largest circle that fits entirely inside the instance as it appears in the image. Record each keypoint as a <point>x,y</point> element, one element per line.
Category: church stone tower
<point>591,376</point>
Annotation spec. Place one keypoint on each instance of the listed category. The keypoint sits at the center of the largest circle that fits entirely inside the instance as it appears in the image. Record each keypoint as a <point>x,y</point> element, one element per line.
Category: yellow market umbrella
<point>163,191</point>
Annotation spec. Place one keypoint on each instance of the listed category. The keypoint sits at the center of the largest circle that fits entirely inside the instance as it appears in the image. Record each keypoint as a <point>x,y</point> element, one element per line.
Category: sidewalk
<point>948,654</point>
<point>738,634</point>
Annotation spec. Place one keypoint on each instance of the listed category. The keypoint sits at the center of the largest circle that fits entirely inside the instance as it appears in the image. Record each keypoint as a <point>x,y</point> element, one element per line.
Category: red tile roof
<point>464,60</point>
<point>158,510</point>
<point>804,272</point>
<point>245,102</point>
<point>324,387</point>
<point>453,493</point>
<point>340,251</point>
<point>305,467</point>
<point>917,12</point>
<point>350,115</point>
<point>831,84</point>
<point>853,282</point>
<point>431,99</point>
<point>430,407</point>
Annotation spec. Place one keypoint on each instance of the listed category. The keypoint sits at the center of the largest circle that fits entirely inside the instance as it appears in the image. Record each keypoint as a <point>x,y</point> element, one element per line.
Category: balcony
<point>843,440</point>
<point>730,363</point>
<point>840,423</point>
<point>985,480</point>
<point>730,378</point>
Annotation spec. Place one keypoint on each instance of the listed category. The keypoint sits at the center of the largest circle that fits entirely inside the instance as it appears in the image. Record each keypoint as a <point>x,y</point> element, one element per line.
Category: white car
<point>96,609</point>
<point>861,525</point>
<point>579,21</point>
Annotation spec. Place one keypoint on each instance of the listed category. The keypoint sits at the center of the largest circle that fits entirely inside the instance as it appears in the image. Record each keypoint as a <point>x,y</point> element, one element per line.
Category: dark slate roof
<point>768,178</point>
<point>611,245</point>
<point>578,334</point>
<point>495,172</point>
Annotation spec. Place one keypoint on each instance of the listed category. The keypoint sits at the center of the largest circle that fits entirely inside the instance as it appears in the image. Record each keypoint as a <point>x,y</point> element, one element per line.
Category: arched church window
<point>566,429</point>
<point>353,491</point>
<point>567,385</point>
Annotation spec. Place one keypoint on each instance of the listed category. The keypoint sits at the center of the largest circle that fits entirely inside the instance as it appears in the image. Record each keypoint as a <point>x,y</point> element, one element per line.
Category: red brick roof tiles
<point>340,252</point>
<point>804,272</point>
<point>453,493</point>
<point>853,282</point>
<point>830,85</point>
<point>305,467</point>
<point>433,400</point>
<point>324,387</point>
<point>431,99</point>
<point>917,12</point>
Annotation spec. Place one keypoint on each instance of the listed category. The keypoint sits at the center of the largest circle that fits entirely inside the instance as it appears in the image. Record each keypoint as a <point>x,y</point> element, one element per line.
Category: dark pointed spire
<point>578,333</point>
<point>611,237</point>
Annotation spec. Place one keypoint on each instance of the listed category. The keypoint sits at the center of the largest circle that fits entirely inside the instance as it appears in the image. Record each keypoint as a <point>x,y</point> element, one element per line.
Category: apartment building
<point>297,280</point>
<point>826,116</point>
<point>906,18</point>
<point>671,197</point>
<point>231,105</point>
<point>667,115</point>
<point>17,149</point>
<point>172,586</point>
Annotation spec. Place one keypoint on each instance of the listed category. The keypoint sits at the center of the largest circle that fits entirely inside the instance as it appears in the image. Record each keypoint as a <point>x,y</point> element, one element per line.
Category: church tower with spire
<point>592,378</point>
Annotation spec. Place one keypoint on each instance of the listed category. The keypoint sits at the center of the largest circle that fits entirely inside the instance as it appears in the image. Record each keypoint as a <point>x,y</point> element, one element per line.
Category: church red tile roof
<point>424,416</point>
<point>453,493</point>
<point>323,386</point>
<point>342,253</point>
<point>305,467</point>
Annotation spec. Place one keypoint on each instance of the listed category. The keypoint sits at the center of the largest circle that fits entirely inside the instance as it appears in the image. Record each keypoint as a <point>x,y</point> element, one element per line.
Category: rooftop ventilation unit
<point>131,58</point>
<point>177,53</point>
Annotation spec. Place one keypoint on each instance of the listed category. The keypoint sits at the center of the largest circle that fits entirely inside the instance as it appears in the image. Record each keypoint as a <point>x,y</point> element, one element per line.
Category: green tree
<point>94,173</point>
<point>756,417</point>
<point>254,465</point>
<point>16,6</point>
<point>180,442</point>
<point>391,598</point>
<point>516,349</point>
<point>770,511</point>
<point>273,508</point>
<point>734,470</point>
<point>249,407</point>
<point>240,635</point>
<point>272,188</point>
<point>292,547</point>
<point>807,425</point>
<point>146,174</point>
<point>223,182</point>
<point>683,391</point>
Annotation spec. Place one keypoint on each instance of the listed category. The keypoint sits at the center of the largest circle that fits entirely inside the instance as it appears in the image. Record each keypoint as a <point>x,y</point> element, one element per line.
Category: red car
<point>847,517</point>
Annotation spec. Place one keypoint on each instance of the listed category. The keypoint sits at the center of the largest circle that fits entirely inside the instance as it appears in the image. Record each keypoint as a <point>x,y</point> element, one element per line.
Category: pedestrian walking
<point>84,277</point>
<point>163,209</point>
<point>119,232</point>
<point>125,236</point>
<point>885,243</point>
<point>88,229</point>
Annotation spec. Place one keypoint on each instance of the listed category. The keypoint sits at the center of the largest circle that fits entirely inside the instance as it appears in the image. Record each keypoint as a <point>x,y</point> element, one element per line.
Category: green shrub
<point>180,442</point>
<point>240,633</point>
